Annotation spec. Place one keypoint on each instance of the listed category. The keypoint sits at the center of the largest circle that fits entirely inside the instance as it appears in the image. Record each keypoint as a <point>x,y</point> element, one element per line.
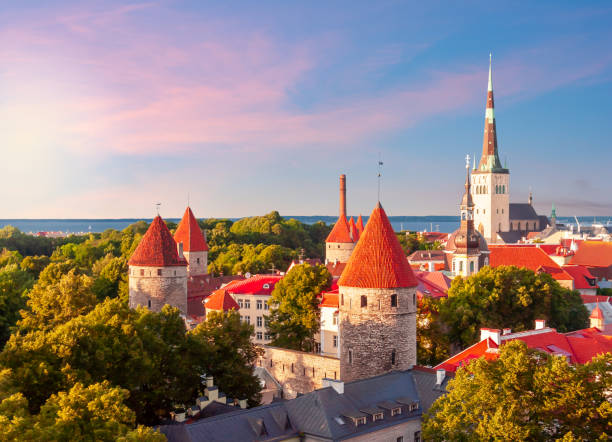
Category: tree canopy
<point>508,297</point>
<point>524,395</point>
<point>294,312</point>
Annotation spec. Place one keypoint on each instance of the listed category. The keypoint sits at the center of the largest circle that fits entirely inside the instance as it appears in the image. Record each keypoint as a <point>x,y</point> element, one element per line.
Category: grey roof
<point>425,380</point>
<point>510,237</point>
<point>318,414</point>
<point>522,211</point>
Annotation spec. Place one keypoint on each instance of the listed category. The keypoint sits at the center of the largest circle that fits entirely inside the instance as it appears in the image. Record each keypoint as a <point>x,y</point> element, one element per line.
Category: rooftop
<point>532,258</point>
<point>157,247</point>
<point>594,254</point>
<point>189,233</point>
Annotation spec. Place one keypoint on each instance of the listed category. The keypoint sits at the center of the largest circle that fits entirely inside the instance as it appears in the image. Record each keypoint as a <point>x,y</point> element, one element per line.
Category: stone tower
<point>158,271</point>
<point>377,305</point>
<point>491,181</point>
<point>195,248</point>
<point>340,243</point>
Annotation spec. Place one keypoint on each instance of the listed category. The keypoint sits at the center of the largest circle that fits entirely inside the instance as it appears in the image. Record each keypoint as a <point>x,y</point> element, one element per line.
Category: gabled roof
<point>487,348</point>
<point>432,284</point>
<point>335,268</point>
<point>157,248</point>
<point>220,300</point>
<point>583,279</point>
<point>522,211</point>
<point>596,313</point>
<point>341,232</point>
<point>255,285</point>
<point>378,260</point>
<point>329,299</point>
<point>353,229</point>
<point>189,233</point>
<point>532,258</point>
<point>360,225</point>
<point>594,254</point>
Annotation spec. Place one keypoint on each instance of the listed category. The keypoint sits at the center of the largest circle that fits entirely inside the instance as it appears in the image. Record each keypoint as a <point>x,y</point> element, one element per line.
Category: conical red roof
<point>189,233</point>
<point>354,230</point>
<point>157,247</point>
<point>360,225</point>
<point>220,300</point>
<point>340,232</point>
<point>378,260</point>
<point>596,313</point>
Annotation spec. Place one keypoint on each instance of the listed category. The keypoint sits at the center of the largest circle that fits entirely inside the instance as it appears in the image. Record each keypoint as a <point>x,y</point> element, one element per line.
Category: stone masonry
<point>154,287</point>
<point>378,337</point>
<point>338,251</point>
<point>197,263</point>
<point>297,371</point>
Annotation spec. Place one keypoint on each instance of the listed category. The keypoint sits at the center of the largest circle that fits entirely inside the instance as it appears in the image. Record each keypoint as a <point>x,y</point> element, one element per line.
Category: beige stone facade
<point>491,195</point>
<point>338,251</point>
<point>298,372</point>
<point>329,337</point>
<point>377,331</point>
<point>154,287</point>
<point>406,432</point>
<point>253,310</point>
<point>197,263</point>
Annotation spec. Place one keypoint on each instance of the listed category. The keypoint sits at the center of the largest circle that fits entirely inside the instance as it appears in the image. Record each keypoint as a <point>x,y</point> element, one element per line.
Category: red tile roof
<point>335,268</point>
<point>341,232</point>
<point>157,248</point>
<point>220,300</point>
<point>360,225</point>
<point>589,299</point>
<point>255,285</point>
<point>432,284</point>
<point>189,233</point>
<point>532,258</point>
<point>487,348</point>
<point>378,260</point>
<point>353,229</point>
<point>583,279</point>
<point>594,254</point>
<point>330,299</point>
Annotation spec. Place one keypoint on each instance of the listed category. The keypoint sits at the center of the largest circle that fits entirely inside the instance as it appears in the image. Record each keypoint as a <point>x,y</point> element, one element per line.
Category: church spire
<point>490,156</point>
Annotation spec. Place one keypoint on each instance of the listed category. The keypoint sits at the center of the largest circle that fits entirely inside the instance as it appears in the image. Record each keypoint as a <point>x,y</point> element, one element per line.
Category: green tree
<point>35,264</point>
<point>524,395</point>
<point>294,315</point>
<point>432,342</point>
<point>230,354</point>
<point>14,282</point>
<point>508,297</point>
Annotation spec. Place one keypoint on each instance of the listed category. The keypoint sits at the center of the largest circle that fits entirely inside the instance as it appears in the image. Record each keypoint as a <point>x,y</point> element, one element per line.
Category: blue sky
<point>109,107</point>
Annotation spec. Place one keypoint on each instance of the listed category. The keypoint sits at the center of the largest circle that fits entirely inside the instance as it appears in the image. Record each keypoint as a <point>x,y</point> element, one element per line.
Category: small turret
<point>340,242</point>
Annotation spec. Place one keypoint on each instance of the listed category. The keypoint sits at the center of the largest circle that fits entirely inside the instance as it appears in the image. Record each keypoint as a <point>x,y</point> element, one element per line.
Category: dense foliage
<point>508,297</point>
<point>412,241</point>
<point>525,395</point>
<point>433,344</point>
<point>294,314</point>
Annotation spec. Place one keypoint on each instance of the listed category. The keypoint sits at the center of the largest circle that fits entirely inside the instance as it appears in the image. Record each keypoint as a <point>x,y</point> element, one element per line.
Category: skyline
<point>108,109</point>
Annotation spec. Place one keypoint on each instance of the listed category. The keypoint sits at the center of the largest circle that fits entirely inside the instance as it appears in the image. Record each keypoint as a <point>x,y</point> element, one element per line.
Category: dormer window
<point>396,411</point>
<point>266,286</point>
<point>361,421</point>
<point>378,416</point>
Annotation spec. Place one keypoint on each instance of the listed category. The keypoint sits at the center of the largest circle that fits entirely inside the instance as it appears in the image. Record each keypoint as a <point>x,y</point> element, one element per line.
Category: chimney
<point>506,331</point>
<point>343,195</point>
<point>336,384</point>
<point>540,324</point>
<point>440,375</point>
<point>492,333</point>
<point>431,266</point>
<point>242,403</point>
<point>179,249</point>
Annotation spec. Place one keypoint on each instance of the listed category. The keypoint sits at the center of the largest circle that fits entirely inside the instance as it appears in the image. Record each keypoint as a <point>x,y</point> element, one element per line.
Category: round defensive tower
<point>340,242</point>
<point>158,271</point>
<point>377,305</point>
<point>195,248</point>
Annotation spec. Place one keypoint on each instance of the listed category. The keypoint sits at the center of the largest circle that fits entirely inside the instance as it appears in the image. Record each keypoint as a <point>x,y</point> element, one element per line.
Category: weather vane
<point>380,165</point>
<point>467,161</point>
<point>157,206</point>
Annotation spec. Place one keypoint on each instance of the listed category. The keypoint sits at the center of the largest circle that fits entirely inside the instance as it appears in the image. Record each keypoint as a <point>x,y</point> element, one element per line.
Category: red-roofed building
<point>158,271</point>
<point>189,236</point>
<point>220,300</point>
<point>596,256</point>
<point>579,347</point>
<point>329,335</point>
<point>532,258</point>
<point>597,318</point>
<point>335,268</point>
<point>584,281</point>
<point>432,284</point>
<point>377,304</point>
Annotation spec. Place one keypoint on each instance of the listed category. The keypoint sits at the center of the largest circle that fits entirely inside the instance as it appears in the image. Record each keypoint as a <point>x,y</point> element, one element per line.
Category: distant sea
<point>413,223</point>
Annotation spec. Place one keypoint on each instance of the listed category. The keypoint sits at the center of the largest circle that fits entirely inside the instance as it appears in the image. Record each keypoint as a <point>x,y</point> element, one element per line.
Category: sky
<point>241,108</point>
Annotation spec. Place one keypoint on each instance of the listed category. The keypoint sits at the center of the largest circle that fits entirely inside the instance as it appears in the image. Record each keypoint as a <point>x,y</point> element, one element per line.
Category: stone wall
<point>298,372</point>
<point>338,251</point>
<point>149,289</point>
<point>196,268</point>
<point>378,337</point>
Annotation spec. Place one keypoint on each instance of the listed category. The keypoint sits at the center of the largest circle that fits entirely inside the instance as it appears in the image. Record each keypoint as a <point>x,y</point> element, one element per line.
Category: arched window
<point>471,266</point>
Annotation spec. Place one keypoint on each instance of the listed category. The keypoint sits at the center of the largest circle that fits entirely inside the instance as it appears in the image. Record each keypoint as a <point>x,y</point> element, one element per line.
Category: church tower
<point>340,242</point>
<point>195,248</point>
<point>377,305</point>
<point>158,271</point>
<point>491,181</point>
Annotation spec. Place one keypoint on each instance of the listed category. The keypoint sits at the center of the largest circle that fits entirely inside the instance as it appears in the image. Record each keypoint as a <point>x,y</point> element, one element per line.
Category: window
<point>149,303</point>
<point>266,321</point>
<point>259,335</point>
<point>198,260</point>
<point>393,300</point>
<point>414,298</point>
<point>414,406</point>
<point>266,306</point>
<point>259,304</point>
<point>364,301</point>
<point>417,436</point>
<point>266,286</point>
<point>259,321</point>
<point>335,341</point>
<point>396,411</point>
<point>377,416</point>
<point>247,319</point>
<point>158,272</point>
<point>240,303</point>
<point>472,267</point>
<point>361,421</point>
<point>393,357</point>
<point>247,303</point>
<point>335,320</point>
<point>267,336</point>
<point>399,439</point>
<point>460,266</point>
<point>350,354</point>
<point>141,272</point>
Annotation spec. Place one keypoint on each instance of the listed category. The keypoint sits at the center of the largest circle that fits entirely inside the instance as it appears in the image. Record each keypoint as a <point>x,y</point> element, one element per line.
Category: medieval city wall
<point>297,371</point>
<point>170,288</point>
